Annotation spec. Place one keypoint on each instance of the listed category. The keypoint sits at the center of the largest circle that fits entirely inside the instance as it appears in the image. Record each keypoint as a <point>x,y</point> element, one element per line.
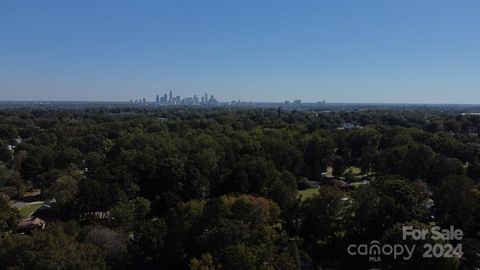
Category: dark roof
<point>341,184</point>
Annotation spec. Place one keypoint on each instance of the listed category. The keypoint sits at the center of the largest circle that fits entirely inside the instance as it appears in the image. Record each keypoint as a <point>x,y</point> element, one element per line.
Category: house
<point>18,140</point>
<point>96,215</point>
<point>340,184</point>
<point>31,224</point>
<point>348,126</point>
<point>32,196</point>
<point>360,183</point>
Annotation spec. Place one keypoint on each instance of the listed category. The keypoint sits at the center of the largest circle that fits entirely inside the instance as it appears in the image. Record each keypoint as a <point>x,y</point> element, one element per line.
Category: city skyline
<point>171,99</point>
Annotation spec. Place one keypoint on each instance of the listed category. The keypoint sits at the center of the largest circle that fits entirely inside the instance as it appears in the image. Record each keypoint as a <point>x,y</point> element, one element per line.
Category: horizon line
<point>247,102</point>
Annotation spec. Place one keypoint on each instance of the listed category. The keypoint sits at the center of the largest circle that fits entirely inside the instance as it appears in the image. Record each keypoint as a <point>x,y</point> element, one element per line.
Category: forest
<point>233,188</point>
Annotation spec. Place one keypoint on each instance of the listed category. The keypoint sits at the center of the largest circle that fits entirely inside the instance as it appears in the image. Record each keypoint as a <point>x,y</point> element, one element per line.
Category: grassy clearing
<point>29,209</point>
<point>307,193</point>
<point>353,170</point>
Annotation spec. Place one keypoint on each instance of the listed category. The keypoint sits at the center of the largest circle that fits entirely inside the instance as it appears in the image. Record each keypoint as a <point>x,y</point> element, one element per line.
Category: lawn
<point>307,193</point>
<point>354,170</point>
<point>29,209</point>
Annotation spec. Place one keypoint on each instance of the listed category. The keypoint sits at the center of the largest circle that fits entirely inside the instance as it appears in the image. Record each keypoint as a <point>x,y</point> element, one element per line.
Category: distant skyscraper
<point>205,97</point>
<point>170,97</point>
<point>158,99</point>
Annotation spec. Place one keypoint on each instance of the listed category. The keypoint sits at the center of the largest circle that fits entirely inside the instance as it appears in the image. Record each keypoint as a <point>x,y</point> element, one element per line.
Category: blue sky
<point>425,51</point>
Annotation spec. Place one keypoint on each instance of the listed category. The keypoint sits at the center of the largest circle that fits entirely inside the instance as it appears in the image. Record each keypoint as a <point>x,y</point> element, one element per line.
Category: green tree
<point>240,257</point>
<point>339,166</point>
<point>320,214</point>
<point>147,248</point>
<point>318,153</point>
<point>456,204</point>
<point>381,204</point>
<point>284,191</point>
<point>418,161</point>
<point>64,190</point>
<point>205,262</point>
<point>442,167</point>
<point>8,216</point>
<point>473,170</point>
<point>127,214</point>
<point>50,249</point>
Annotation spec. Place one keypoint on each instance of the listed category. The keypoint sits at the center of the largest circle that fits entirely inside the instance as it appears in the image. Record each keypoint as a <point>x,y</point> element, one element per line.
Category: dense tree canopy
<point>219,188</point>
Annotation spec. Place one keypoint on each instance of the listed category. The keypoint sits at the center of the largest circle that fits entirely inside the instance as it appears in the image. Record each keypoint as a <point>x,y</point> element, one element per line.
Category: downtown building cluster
<point>171,99</point>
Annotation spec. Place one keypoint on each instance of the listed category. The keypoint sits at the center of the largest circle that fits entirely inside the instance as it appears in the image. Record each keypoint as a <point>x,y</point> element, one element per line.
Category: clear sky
<point>422,51</point>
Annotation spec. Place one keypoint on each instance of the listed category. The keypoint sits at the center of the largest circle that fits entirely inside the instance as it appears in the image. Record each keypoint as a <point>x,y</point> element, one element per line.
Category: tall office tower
<point>170,97</point>
<point>158,99</point>
<point>205,97</point>
<point>165,99</point>
<point>144,101</point>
